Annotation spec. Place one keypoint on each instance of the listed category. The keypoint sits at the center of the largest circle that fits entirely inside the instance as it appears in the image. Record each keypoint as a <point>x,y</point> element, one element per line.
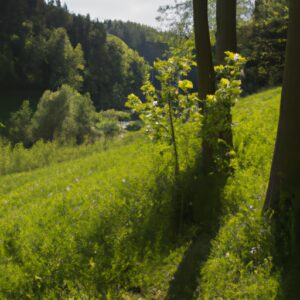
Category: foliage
<point>98,213</point>
<point>17,158</point>
<point>240,263</point>
<point>171,113</point>
<point>125,65</point>
<point>134,125</point>
<point>263,41</point>
<point>65,115</point>
<point>147,41</point>
<point>178,16</point>
<point>19,125</point>
<point>217,119</point>
<point>107,215</point>
<point>111,123</point>
<point>108,128</point>
<point>66,64</point>
<point>121,116</point>
<point>44,46</point>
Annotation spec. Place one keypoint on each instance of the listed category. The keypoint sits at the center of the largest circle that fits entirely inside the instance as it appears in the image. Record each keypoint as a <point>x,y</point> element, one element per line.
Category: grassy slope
<point>240,265</point>
<point>64,225</point>
<point>72,227</point>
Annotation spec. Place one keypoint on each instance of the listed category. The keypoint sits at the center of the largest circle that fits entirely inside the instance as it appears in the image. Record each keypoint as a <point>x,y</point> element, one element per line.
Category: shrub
<point>121,116</point>
<point>65,115</point>
<point>134,125</point>
<point>108,128</point>
<point>18,127</point>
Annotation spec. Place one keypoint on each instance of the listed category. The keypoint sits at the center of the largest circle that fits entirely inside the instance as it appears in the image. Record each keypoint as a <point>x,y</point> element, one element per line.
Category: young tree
<point>283,195</point>
<point>65,63</point>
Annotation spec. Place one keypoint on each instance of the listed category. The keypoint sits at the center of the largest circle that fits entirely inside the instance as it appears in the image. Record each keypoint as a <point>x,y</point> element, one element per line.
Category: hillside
<point>83,225</point>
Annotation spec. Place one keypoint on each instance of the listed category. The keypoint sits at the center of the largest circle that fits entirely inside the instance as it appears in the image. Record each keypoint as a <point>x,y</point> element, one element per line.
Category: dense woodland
<point>44,46</point>
<point>143,163</point>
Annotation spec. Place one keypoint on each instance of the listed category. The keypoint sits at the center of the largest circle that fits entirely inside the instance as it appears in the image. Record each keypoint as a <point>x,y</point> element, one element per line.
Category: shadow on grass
<point>205,196</point>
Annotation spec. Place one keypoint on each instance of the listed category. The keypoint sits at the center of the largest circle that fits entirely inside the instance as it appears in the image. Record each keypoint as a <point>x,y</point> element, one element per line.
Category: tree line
<point>44,46</point>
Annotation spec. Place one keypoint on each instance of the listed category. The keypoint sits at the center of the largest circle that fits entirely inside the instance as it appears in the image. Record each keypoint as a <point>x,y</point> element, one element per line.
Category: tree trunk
<point>226,28</point>
<point>283,195</point>
<point>226,41</point>
<point>206,76</point>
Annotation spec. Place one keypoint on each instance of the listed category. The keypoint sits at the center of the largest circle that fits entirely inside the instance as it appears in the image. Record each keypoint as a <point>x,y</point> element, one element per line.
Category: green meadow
<point>93,222</point>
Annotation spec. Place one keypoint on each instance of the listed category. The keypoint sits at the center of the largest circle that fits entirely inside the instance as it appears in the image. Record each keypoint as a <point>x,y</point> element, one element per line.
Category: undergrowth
<point>93,226</point>
<point>90,223</point>
<point>240,263</point>
<point>15,159</point>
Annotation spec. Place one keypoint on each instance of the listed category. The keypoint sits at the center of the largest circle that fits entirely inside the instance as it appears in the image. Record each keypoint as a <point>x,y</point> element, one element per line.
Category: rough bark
<point>226,28</point>
<point>206,76</point>
<point>226,41</point>
<point>283,195</point>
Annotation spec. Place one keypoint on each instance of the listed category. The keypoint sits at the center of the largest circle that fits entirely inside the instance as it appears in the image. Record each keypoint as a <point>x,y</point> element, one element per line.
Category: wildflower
<point>236,57</point>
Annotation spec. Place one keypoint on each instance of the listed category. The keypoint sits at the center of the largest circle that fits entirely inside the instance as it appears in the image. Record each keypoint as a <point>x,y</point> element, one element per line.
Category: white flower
<point>236,57</point>
<point>124,180</point>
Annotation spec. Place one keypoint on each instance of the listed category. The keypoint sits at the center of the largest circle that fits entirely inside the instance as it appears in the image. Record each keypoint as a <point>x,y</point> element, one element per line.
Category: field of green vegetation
<point>93,223</point>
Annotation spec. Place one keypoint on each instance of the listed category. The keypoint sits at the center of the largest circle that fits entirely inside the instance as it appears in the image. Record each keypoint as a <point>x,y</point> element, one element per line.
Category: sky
<point>140,11</point>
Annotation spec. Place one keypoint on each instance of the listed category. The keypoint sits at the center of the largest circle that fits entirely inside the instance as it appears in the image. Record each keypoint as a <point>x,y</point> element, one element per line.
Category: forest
<point>141,162</point>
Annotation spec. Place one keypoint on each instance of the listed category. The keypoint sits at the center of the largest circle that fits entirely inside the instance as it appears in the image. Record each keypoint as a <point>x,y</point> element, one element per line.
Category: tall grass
<point>89,223</point>
<point>90,226</point>
<point>240,263</point>
<point>14,159</point>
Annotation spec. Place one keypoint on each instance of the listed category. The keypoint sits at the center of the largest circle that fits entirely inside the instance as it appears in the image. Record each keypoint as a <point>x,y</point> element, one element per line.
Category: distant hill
<point>147,41</point>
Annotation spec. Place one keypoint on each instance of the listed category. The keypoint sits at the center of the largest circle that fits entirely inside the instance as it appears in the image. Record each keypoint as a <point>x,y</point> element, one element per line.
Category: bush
<point>121,116</point>
<point>65,115</point>
<point>19,125</point>
<point>134,125</point>
<point>108,128</point>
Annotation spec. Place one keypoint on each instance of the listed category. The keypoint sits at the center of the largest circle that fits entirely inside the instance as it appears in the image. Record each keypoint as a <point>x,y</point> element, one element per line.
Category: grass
<point>240,262</point>
<point>85,223</point>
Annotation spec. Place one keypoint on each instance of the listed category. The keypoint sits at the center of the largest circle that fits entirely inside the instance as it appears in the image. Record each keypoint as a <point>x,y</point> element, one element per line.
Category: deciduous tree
<point>283,195</point>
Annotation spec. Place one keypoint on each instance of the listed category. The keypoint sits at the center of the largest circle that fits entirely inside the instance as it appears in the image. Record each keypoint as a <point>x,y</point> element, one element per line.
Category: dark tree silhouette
<point>283,195</point>
<point>226,41</point>
<point>206,76</point>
